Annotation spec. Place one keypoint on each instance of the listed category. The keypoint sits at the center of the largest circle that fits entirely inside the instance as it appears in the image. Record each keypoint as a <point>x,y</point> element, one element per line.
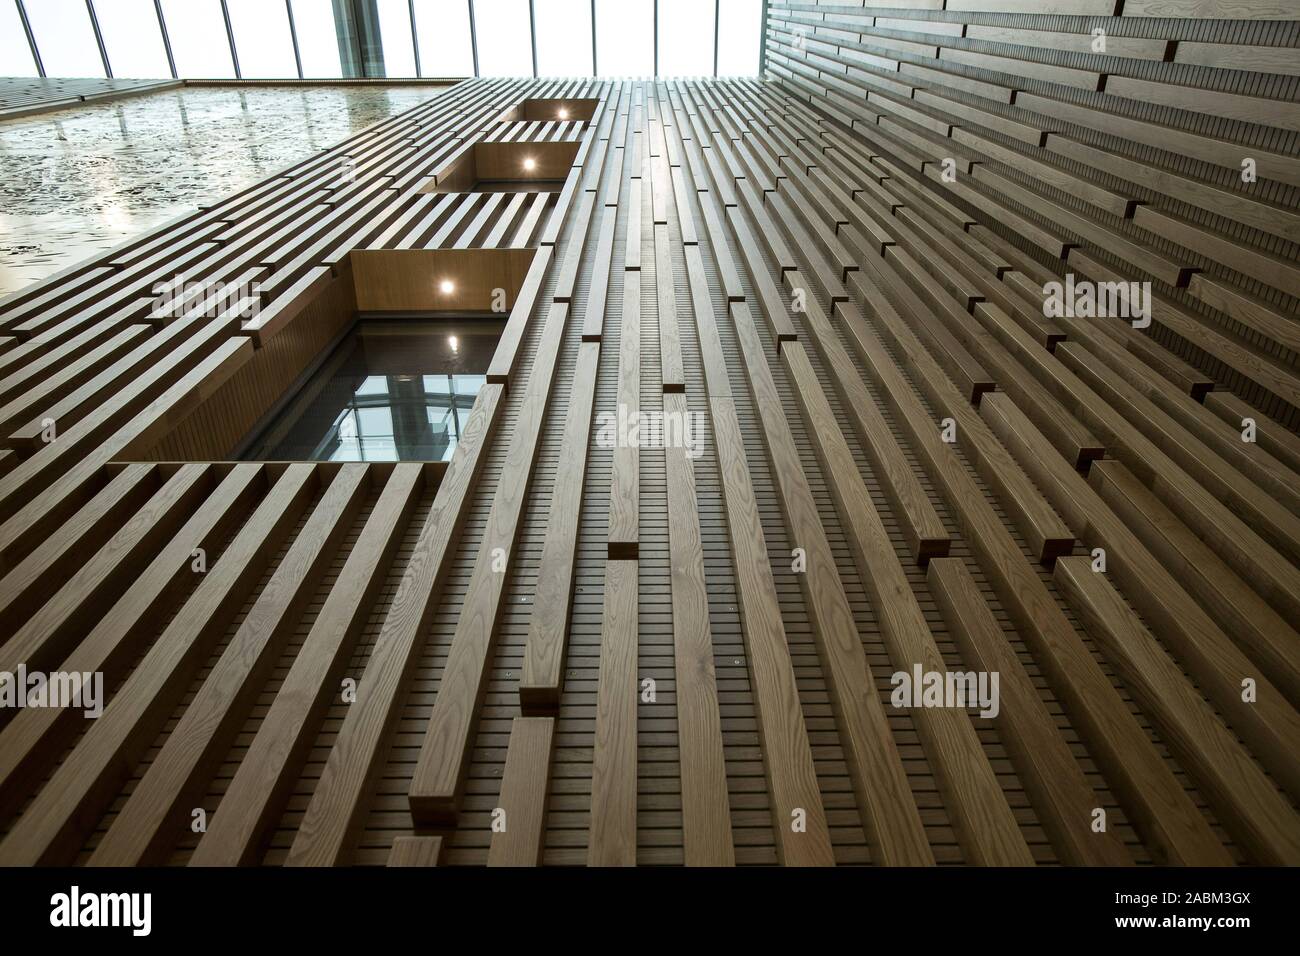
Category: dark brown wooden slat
<point>1257,813</point>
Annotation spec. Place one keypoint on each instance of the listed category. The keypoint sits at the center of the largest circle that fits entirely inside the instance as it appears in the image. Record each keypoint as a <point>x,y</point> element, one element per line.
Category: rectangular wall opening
<point>390,391</point>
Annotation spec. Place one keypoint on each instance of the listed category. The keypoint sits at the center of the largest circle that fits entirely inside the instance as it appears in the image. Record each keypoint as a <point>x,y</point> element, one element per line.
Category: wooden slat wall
<point>562,650</point>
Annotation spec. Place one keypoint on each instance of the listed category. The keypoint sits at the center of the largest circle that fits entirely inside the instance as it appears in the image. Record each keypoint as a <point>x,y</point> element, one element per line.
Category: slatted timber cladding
<point>672,655</point>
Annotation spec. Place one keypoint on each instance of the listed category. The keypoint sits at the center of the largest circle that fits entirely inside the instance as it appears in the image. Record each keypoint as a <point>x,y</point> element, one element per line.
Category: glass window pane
<point>15,54</point>
<point>262,39</point>
<point>685,38</point>
<point>443,30</point>
<point>625,41</point>
<point>395,33</point>
<point>564,38</point>
<point>738,36</point>
<point>318,44</point>
<point>65,38</point>
<point>505,46</point>
<point>197,31</point>
<point>132,38</point>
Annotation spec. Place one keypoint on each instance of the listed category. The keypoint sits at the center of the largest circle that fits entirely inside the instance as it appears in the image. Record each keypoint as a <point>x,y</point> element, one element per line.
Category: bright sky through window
<point>132,38</point>
<point>447,38</point>
<point>65,38</point>
<point>563,37</point>
<point>625,36</point>
<point>504,38</point>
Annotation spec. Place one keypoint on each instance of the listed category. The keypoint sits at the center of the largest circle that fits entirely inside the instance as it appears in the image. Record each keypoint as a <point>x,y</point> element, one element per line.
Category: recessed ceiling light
<point>564,114</point>
<point>530,164</point>
<point>447,286</point>
<point>453,342</point>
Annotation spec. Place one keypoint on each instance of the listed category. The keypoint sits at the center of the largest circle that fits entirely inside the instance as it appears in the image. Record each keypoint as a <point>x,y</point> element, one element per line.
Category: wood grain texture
<point>518,829</point>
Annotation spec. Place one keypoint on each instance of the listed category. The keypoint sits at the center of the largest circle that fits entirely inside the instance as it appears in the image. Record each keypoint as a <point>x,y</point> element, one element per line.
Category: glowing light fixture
<point>447,287</point>
<point>454,343</point>
<point>530,164</point>
<point>564,114</point>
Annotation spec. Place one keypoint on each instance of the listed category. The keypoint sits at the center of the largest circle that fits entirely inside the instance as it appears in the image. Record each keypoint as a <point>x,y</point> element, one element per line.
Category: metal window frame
<point>230,36</point>
<point>717,26</point>
<point>293,35</point>
<point>473,36</point>
<point>532,31</point>
<point>166,38</point>
<point>31,38</point>
<point>99,39</point>
<point>415,41</point>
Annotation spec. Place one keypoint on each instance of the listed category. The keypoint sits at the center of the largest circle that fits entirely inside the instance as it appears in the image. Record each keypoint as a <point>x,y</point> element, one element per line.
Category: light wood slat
<point>926,535</point>
<point>45,635</point>
<point>1210,149</point>
<point>62,495</point>
<point>161,800</point>
<point>567,277</point>
<point>66,808</point>
<point>612,839</point>
<point>987,827</point>
<point>1133,767</point>
<point>1064,799</point>
<point>1185,429</point>
<point>415,851</point>
<point>1235,204</point>
<point>624,524</point>
<point>507,353</point>
<point>1270,725</point>
<point>891,820</point>
<point>1266,636</point>
<point>735,292</point>
<point>706,821</point>
<point>1246,800</point>
<point>1207,492</point>
<point>593,319</point>
<point>541,679</point>
<point>439,776</point>
<point>1249,109</point>
<point>1047,535</point>
<point>632,213</point>
<point>334,811</point>
<point>55,459</point>
<point>790,774</point>
<point>672,373</point>
<point>524,785</point>
<point>23,589</point>
<point>791,778</point>
<point>1234,56</point>
<point>274,757</point>
<point>26,744</point>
